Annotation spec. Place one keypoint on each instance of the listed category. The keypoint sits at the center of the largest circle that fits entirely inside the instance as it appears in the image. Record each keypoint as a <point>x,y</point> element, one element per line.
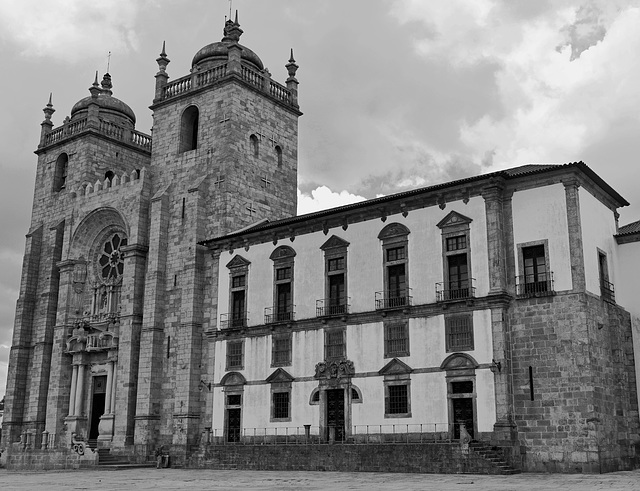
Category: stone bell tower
<point>224,157</point>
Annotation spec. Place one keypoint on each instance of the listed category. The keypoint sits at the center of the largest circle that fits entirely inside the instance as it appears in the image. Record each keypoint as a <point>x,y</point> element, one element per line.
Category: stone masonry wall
<point>424,458</point>
<point>583,416</point>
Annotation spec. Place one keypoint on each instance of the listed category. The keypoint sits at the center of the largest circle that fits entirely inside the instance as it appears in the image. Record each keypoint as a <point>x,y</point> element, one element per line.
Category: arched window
<point>254,145</point>
<point>279,155</point>
<point>60,173</point>
<point>189,129</point>
<point>109,175</point>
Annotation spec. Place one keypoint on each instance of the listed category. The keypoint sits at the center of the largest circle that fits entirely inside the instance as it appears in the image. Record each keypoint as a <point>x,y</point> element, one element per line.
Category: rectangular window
<point>281,351</point>
<point>459,333</point>
<point>458,276</point>
<point>397,400</point>
<point>335,348</point>
<point>239,281</point>
<point>234,400</point>
<point>283,273</point>
<point>456,243</point>
<point>606,287</point>
<point>396,340</point>
<point>234,355</point>
<point>396,254</point>
<point>335,264</point>
<point>535,269</point>
<point>280,405</point>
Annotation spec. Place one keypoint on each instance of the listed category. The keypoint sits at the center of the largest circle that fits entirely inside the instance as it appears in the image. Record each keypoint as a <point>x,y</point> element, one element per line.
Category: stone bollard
<point>45,440</point>
<point>307,433</point>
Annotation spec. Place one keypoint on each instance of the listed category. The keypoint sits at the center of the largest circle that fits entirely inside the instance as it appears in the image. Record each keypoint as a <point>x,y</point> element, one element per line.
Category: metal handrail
<point>392,299</point>
<point>452,291</point>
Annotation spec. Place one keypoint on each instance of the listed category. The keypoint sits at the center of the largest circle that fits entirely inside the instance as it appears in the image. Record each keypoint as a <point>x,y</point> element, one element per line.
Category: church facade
<point>170,296</point>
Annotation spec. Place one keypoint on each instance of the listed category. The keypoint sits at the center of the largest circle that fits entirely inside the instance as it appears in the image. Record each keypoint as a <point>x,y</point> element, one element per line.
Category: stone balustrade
<point>73,127</point>
<point>260,80</point>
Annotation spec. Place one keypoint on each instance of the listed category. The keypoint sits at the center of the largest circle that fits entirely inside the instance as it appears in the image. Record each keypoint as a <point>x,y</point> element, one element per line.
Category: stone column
<point>574,226</point>
<point>126,373</point>
<point>493,195</point>
<point>72,395</point>
<point>23,326</point>
<point>79,391</point>
<point>107,397</point>
<point>152,337</point>
<point>112,408</point>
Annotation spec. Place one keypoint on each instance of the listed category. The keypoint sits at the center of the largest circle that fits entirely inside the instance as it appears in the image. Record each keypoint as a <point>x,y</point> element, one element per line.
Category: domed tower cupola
<point>216,54</point>
<point>109,108</point>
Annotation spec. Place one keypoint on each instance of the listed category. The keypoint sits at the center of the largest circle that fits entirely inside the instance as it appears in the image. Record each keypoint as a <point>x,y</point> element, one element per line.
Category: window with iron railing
<point>281,405</point>
<point>397,400</point>
<point>457,290</point>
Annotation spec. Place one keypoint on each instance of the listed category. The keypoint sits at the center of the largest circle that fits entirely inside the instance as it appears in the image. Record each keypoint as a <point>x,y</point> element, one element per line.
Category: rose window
<point>111,258</point>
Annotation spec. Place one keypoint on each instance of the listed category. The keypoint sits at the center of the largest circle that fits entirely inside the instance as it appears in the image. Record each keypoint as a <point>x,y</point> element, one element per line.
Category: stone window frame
<point>387,326</point>
<point>280,388</point>
<point>328,331</point>
<point>393,236</point>
<point>314,397</point>
<point>283,257</point>
<point>60,172</point>
<point>189,129</point>
<point>278,150</point>
<point>278,337</point>
<point>230,365</point>
<point>533,243</point>
<point>358,392</point>
<point>336,248</point>
<point>254,143</point>
<point>238,267</point>
<point>397,380</point>
<point>454,225</point>
<point>447,328</point>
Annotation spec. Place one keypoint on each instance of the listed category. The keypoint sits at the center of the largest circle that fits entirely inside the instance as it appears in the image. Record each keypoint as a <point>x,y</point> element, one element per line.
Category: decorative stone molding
<point>334,369</point>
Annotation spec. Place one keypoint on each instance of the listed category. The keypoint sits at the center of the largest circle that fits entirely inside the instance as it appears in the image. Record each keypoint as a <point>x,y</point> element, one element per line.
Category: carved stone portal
<point>334,369</point>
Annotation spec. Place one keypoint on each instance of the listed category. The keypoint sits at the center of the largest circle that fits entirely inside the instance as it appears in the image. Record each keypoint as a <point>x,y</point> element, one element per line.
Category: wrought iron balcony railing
<point>534,285</point>
<point>606,291</point>
<point>455,290</point>
<point>273,315</point>
<point>230,321</point>
<point>332,306</point>
<point>394,299</point>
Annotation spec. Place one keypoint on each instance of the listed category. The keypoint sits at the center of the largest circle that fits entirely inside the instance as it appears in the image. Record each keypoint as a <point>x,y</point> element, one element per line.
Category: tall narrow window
<point>189,129</point>
<point>456,252</point>
<point>255,145</point>
<point>335,347</point>
<point>60,173</point>
<point>394,239</point>
<point>283,309</point>
<point>238,272</point>
<point>606,287</point>
<point>336,301</point>
<point>281,350</point>
<point>280,382</point>
<point>279,155</point>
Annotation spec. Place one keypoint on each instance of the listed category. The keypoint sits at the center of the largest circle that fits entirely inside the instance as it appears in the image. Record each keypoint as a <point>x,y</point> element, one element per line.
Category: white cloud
<point>69,30</point>
<point>323,198</point>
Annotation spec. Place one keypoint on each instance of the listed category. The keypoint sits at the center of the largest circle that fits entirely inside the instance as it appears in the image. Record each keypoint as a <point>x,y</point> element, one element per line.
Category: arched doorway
<point>461,393</point>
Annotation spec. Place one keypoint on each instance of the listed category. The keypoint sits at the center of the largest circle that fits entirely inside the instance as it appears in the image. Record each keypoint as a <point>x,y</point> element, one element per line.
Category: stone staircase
<point>115,462</point>
<point>495,456</point>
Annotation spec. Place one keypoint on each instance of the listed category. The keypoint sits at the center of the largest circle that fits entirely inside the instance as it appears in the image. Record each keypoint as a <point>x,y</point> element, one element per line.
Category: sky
<point>396,94</point>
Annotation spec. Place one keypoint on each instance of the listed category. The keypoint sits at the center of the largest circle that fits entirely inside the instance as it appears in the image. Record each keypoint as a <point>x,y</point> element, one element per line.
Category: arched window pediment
<point>393,230</point>
<point>459,361</point>
<point>233,378</point>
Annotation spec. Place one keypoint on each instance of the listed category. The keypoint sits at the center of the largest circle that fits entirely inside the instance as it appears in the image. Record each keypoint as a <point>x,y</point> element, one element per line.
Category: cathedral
<point>171,299</point>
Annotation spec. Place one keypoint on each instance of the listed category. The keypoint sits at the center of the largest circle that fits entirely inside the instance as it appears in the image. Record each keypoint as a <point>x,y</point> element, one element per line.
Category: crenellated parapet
<point>134,178</point>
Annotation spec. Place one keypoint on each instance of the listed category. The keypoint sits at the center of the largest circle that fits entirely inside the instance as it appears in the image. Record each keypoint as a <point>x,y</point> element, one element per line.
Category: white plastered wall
<point>539,214</point>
